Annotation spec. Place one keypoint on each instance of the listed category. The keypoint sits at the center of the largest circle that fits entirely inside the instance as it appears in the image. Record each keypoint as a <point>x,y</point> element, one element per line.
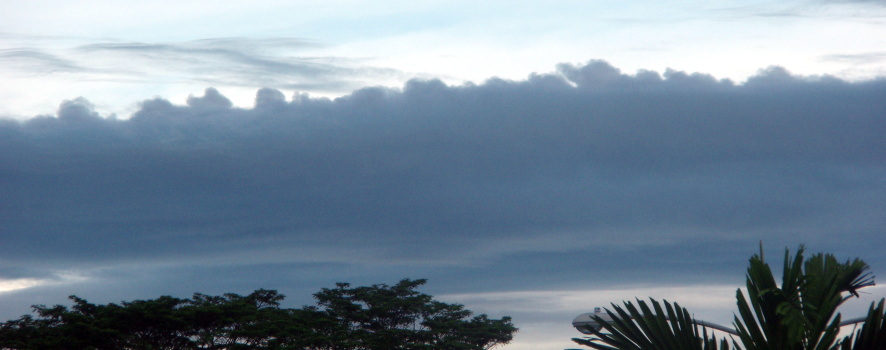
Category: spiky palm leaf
<point>872,335</point>
<point>657,328</point>
<point>799,315</point>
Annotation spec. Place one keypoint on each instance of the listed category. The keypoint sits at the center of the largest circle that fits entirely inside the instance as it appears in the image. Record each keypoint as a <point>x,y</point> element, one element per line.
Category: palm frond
<point>801,313</point>
<point>872,335</point>
<point>641,327</point>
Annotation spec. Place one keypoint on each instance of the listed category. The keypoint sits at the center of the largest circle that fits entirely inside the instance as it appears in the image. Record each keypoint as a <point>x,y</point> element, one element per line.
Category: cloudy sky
<point>529,160</point>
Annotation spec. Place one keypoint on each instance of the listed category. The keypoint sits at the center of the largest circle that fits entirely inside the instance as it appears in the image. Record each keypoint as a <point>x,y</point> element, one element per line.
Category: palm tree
<point>800,314</point>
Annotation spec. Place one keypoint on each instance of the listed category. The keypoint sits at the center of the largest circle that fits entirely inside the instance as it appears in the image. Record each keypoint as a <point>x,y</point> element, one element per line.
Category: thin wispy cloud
<point>864,58</point>
<point>30,61</point>
<point>239,62</point>
<point>210,52</point>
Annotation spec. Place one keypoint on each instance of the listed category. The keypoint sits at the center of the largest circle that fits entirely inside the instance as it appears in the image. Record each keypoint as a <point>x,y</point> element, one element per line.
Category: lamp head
<point>583,321</point>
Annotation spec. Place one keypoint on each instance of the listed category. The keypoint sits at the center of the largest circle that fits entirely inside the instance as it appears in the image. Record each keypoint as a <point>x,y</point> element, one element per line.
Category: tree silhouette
<point>361,318</point>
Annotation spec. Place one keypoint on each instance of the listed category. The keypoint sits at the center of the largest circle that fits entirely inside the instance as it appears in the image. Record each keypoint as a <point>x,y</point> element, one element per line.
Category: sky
<point>529,160</point>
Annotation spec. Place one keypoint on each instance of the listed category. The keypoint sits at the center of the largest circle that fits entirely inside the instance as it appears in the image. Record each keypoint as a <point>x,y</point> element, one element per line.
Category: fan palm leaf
<point>639,327</point>
<point>800,313</point>
<point>872,335</point>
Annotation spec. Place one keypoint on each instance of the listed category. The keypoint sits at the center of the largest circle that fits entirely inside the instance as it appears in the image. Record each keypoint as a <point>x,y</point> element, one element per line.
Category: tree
<point>382,317</point>
<point>799,314</point>
<point>362,318</point>
<point>230,321</point>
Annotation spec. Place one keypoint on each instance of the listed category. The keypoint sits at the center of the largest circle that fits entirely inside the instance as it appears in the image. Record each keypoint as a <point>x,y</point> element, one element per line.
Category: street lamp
<point>583,321</point>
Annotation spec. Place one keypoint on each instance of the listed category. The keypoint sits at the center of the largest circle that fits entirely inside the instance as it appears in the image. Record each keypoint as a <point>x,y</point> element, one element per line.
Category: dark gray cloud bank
<point>582,178</point>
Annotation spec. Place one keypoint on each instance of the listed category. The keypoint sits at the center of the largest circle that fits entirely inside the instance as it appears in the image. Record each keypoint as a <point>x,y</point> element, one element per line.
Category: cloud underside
<point>584,164</point>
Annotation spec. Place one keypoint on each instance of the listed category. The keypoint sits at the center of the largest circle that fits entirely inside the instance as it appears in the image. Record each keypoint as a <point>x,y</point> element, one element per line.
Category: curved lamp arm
<point>585,320</point>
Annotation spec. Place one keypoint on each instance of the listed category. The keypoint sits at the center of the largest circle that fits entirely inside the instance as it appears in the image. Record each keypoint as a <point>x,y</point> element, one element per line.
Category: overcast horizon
<point>595,153</point>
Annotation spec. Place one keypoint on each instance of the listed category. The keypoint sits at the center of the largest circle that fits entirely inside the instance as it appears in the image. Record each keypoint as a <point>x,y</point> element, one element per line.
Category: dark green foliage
<point>800,314</point>
<point>639,329</point>
<point>376,317</point>
<point>382,317</point>
<point>872,335</point>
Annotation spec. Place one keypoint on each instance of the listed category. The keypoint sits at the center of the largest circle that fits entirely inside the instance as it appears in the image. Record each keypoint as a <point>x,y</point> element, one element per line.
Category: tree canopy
<point>345,318</point>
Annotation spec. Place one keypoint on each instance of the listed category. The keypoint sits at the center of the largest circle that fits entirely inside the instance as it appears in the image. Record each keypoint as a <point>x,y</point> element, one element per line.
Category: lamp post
<point>583,321</point>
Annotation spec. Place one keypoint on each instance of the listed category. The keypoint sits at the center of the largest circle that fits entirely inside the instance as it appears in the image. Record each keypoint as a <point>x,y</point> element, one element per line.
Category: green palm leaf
<point>799,314</point>
<point>872,335</point>
<point>643,328</point>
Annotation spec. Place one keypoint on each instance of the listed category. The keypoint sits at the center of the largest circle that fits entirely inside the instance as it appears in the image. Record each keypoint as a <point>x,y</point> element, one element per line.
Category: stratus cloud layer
<point>577,168</point>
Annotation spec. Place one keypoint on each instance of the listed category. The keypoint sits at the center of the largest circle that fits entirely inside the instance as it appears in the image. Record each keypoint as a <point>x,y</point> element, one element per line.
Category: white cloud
<point>8,285</point>
<point>60,278</point>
